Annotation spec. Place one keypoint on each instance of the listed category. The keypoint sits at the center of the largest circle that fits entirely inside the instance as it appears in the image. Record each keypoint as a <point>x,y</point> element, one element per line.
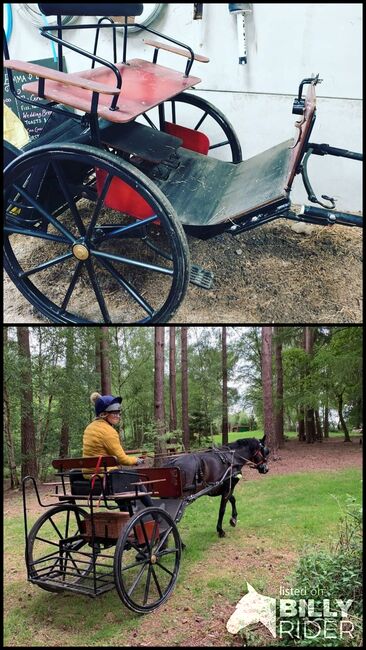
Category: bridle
<point>251,462</point>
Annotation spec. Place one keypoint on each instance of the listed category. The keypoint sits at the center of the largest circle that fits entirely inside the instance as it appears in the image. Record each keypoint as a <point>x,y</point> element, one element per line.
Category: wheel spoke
<point>174,113</point>
<point>46,214</point>
<point>69,198</point>
<point>219,144</point>
<point>164,538</point>
<point>165,569</point>
<point>34,233</point>
<point>121,230</point>
<point>149,121</point>
<point>128,286</point>
<point>200,121</point>
<point>71,288</point>
<point>46,265</point>
<point>47,541</point>
<point>156,582</point>
<point>97,291</point>
<point>125,260</point>
<point>157,250</point>
<point>147,586</point>
<point>99,204</point>
<point>137,580</point>
<point>55,527</point>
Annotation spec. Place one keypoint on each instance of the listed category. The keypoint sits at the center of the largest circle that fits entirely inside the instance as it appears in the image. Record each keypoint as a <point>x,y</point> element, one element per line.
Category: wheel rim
<point>78,259</point>
<point>56,550</point>
<point>201,116</point>
<point>145,574</point>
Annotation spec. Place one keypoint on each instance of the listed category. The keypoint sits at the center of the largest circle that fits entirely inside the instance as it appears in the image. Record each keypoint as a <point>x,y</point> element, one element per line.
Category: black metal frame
<point>92,116</point>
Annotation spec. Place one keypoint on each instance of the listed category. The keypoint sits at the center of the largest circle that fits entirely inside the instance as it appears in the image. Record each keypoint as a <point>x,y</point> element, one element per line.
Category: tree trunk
<point>279,435</point>
<point>301,424</point>
<point>105,370</point>
<point>309,338</point>
<point>318,426</point>
<point>185,420</point>
<point>14,481</point>
<point>160,445</point>
<point>326,422</point>
<point>28,441</point>
<point>267,388</point>
<point>172,381</point>
<point>65,407</point>
<point>341,418</point>
<point>225,430</point>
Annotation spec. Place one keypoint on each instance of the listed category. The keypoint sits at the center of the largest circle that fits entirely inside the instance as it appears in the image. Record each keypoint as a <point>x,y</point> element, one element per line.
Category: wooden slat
<point>176,50</point>
<point>109,497</point>
<point>61,77</point>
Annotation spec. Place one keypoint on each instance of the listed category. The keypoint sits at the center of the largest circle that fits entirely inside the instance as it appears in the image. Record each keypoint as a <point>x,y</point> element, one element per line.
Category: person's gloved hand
<point>139,461</point>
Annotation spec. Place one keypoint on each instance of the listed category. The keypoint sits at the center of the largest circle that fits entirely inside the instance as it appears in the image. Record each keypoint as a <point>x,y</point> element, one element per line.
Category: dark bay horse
<point>201,469</point>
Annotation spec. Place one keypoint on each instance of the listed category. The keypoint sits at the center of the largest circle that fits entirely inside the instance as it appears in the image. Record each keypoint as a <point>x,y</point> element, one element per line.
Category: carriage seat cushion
<point>91,9</point>
<point>116,482</point>
<point>80,486</point>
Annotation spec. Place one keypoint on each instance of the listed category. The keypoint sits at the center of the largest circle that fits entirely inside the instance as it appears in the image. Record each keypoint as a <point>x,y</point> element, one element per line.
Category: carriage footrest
<point>200,277</point>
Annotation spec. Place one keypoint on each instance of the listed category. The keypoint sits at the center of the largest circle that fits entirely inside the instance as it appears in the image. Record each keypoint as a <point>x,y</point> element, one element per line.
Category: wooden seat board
<point>144,85</point>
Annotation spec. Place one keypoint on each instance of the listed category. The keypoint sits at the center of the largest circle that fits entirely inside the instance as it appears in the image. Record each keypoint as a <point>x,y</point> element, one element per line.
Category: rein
<point>252,464</point>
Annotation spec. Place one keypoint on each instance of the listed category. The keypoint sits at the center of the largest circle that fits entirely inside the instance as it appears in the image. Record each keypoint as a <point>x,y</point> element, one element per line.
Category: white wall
<point>286,43</point>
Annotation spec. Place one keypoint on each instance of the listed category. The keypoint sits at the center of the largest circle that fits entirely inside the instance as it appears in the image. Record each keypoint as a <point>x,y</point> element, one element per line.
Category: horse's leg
<point>234,513</point>
<point>223,503</point>
<point>232,500</point>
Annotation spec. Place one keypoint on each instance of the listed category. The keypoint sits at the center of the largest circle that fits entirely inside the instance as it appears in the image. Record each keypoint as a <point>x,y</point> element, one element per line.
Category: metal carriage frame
<point>110,194</point>
<point>85,544</point>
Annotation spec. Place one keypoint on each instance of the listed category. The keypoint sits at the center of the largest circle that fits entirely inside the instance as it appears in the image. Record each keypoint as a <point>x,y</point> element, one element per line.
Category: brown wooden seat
<point>144,85</point>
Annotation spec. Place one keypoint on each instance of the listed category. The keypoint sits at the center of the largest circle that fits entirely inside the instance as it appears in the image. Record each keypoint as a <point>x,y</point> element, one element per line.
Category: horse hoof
<point>221,533</point>
<point>183,545</point>
<point>233,522</point>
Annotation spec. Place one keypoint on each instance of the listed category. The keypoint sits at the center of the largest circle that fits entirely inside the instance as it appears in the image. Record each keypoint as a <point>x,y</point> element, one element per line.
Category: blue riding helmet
<point>107,403</point>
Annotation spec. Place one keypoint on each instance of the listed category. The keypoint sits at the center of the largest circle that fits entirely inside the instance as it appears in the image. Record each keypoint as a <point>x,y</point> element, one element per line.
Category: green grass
<point>276,514</point>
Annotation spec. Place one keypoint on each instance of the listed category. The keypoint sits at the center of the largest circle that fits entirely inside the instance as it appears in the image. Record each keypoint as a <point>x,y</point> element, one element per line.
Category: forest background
<point>186,387</point>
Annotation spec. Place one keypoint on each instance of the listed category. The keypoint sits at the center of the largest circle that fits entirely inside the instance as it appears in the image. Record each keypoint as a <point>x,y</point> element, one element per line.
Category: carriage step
<point>200,277</point>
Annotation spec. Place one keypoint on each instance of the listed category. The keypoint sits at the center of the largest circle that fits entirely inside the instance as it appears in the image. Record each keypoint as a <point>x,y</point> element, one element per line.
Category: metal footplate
<point>200,277</point>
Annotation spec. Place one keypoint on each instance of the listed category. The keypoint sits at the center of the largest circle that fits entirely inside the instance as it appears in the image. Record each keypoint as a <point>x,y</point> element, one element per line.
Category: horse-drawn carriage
<point>96,208</point>
<point>89,545</point>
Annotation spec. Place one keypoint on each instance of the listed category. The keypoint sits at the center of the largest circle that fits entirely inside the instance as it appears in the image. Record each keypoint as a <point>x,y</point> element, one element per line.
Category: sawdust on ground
<point>271,274</point>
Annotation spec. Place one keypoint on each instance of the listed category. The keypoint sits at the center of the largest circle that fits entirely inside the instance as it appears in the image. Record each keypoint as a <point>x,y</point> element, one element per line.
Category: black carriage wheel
<point>91,239</point>
<point>205,118</point>
<point>56,549</point>
<point>146,560</point>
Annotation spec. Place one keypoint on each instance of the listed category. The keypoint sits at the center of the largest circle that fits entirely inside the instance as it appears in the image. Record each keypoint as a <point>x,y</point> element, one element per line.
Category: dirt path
<point>272,274</point>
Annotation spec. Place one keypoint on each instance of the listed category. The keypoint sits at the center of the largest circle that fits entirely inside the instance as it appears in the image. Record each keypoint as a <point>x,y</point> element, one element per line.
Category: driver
<point>101,439</point>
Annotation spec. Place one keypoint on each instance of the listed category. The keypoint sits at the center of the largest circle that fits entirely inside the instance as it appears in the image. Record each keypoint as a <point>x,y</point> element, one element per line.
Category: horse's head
<point>252,450</point>
<point>261,456</point>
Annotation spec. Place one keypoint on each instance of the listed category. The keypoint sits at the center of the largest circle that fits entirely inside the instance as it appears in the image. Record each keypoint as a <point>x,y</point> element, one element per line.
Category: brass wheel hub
<point>153,559</point>
<point>80,251</point>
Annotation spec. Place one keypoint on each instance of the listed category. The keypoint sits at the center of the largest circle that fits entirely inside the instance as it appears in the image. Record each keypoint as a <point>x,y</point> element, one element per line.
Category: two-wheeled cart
<point>97,208</point>
<point>83,543</point>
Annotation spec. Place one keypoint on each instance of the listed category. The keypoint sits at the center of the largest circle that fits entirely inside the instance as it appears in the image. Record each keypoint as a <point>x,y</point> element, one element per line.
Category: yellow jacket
<point>101,439</point>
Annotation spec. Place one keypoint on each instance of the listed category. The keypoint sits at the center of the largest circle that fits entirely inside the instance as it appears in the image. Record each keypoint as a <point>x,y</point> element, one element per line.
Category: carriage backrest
<point>91,9</point>
<point>65,464</point>
<point>305,127</point>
